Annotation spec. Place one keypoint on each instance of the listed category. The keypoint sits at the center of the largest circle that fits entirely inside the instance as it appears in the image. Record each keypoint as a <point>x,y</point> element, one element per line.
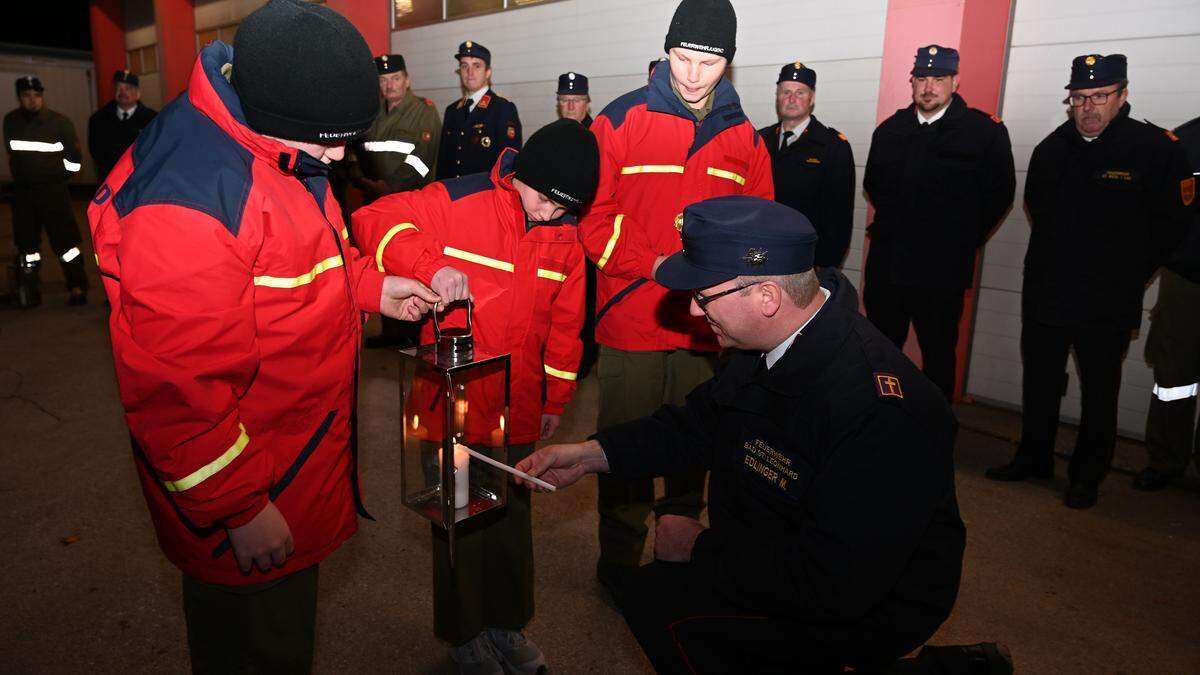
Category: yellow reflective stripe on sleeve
<point>345,233</point>
<point>203,473</point>
<point>294,282</point>
<point>478,259</point>
<point>651,168</point>
<point>722,173</point>
<point>552,275</point>
<point>612,241</point>
<point>560,373</point>
<point>396,229</point>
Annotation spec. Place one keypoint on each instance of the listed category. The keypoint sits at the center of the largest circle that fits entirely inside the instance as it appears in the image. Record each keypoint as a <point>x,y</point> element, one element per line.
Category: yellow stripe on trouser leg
<point>203,473</point>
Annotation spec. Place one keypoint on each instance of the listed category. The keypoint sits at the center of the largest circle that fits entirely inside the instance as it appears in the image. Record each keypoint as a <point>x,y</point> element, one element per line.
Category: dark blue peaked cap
<point>1096,70</point>
<point>936,61</point>
<point>738,235</point>
<point>472,48</point>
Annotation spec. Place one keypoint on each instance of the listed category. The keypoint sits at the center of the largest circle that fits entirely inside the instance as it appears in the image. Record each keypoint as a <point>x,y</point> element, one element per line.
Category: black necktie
<point>786,135</point>
<point>124,115</point>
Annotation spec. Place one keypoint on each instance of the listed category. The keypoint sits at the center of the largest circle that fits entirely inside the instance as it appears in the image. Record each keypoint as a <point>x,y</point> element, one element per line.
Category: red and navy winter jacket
<point>527,284</point>
<point>236,317</point>
<point>655,159</point>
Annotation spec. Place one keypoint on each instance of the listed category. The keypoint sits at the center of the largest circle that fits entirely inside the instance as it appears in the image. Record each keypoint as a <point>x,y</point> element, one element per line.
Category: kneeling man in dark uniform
<point>835,536</point>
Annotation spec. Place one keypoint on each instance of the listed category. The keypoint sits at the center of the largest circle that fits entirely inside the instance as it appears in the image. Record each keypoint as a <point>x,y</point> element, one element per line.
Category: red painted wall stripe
<point>176,24</point>
<point>108,45</point>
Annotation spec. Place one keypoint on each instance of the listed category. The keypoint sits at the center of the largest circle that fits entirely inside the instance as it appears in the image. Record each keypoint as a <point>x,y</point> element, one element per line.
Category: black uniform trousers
<point>47,207</point>
<point>934,313</point>
<point>1099,350</point>
<point>491,582</point>
<point>1173,349</point>
<point>257,628</point>
<point>685,626</point>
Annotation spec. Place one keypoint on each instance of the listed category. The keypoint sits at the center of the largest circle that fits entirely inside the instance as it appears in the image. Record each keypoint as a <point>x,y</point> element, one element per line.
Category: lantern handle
<point>437,329</point>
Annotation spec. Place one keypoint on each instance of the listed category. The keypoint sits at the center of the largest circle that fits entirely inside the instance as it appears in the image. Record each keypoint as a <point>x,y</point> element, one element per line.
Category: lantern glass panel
<point>446,408</point>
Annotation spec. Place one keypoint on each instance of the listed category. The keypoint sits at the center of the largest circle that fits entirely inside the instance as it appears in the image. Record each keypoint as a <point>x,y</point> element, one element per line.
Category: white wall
<point>1162,40</point>
<point>612,41</point>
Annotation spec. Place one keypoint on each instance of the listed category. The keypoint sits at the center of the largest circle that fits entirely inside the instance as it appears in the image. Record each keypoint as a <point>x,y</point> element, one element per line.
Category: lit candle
<point>462,486</point>
<point>498,434</point>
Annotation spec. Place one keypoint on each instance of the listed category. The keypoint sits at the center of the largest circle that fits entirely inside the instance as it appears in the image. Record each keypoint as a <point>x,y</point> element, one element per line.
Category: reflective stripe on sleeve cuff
<point>203,473</point>
<point>1168,394</point>
<point>387,238</point>
<point>561,373</point>
<point>612,241</point>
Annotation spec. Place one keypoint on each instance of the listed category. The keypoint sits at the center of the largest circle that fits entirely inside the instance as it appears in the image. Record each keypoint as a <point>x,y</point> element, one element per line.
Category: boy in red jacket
<point>505,239</point>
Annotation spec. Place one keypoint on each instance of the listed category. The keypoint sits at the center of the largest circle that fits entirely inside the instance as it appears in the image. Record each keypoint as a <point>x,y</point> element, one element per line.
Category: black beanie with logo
<point>304,73</point>
<point>562,161</point>
<point>704,26</point>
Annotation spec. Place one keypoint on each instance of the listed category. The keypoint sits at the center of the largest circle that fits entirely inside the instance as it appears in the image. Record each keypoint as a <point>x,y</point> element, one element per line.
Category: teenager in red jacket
<point>237,308</point>
<point>505,239</point>
<point>681,139</point>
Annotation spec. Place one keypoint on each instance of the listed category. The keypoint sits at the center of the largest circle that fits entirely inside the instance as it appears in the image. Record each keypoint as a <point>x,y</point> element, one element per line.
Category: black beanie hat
<point>304,73</point>
<point>705,26</point>
<point>562,161</point>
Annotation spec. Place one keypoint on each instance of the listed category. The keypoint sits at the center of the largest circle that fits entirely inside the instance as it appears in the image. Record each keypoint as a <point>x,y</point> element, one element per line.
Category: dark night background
<point>46,23</point>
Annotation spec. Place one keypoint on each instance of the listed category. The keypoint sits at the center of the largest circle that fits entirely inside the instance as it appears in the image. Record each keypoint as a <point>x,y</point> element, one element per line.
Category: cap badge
<point>755,257</point>
<point>383,58</point>
<point>570,76</point>
<point>1091,60</point>
<point>797,65</point>
<point>932,51</point>
<point>470,44</point>
<point>486,141</point>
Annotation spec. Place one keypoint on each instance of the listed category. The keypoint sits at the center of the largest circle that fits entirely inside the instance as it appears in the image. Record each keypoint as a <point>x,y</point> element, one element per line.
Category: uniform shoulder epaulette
<point>837,134</point>
<point>429,102</point>
<point>997,120</point>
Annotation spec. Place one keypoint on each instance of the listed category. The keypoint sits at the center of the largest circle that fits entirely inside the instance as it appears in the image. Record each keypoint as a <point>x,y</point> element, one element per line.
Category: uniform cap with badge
<point>572,83</point>
<point>472,48</point>
<point>738,235</point>
<point>798,72</point>
<point>29,82</point>
<point>1096,70</point>
<point>126,77</point>
<point>390,63</point>
<point>935,61</point>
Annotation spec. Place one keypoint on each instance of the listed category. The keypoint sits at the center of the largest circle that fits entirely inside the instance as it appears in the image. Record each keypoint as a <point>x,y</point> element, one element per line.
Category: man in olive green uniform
<point>396,154</point>
<point>43,152</point>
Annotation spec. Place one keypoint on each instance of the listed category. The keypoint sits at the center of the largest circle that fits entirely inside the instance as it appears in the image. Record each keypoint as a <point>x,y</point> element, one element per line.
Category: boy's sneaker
<point>477,657</point>
<point>517,651</point>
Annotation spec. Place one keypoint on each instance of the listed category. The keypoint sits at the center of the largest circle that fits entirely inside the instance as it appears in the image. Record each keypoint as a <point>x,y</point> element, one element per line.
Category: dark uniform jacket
<point>1185,261</point>
<point>109,135</point>
<point>1104,216</point>
<point>938,190</point>
<point>832,495</point>
<point>814,174</point>
<point>472,141</point>
<point>42,147</point>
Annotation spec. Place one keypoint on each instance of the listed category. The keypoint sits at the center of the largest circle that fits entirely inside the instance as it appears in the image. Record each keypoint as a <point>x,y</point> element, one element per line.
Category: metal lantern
<point>454,407</point>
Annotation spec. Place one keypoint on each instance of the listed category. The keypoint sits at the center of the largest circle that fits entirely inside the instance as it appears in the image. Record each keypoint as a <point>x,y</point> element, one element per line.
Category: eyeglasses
<point>1100,98</point>
<point>703,300</point>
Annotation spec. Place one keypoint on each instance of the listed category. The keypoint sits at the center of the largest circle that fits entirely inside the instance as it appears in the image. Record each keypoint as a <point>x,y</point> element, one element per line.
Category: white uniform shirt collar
<point>797,132</point>
<point>121,111</point>
<point>777,353</point>
<point>921,119</point>
<point>476,97</point>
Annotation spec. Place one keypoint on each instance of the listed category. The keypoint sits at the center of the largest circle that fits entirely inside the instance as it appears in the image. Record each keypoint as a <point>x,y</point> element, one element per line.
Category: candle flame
<point>416,421</point>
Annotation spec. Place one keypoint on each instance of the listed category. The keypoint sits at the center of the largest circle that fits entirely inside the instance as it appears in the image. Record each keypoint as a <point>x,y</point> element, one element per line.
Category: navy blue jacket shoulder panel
<point>184,158</point>
<point>616,111</point>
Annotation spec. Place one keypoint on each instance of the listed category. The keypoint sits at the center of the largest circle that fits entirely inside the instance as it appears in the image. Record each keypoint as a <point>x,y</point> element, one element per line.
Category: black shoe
<point>613,577</point>
<point>1015,470</point>
<point>78,297</point>
<point>1151,480</point>
<point>1080,496</point>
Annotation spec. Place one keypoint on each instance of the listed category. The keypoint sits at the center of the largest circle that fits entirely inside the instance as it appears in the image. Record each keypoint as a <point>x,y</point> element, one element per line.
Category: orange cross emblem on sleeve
<point>888,385</point>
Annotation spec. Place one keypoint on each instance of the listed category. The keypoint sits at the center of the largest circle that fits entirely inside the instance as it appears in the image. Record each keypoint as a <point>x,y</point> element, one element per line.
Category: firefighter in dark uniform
<point>835,535</point>
<point>1173,346</point>
<point>574,102</point>
<point>116,125</point>
<point>1108,200</point>
<point>43,153</point>
<point>812,164</point>
<point>395,155</point>
<point>941,177</point>
<point>477,127</point>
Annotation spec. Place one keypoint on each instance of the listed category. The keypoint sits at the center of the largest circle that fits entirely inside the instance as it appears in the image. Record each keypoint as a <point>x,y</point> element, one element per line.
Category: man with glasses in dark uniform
<point>1108,200</point>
